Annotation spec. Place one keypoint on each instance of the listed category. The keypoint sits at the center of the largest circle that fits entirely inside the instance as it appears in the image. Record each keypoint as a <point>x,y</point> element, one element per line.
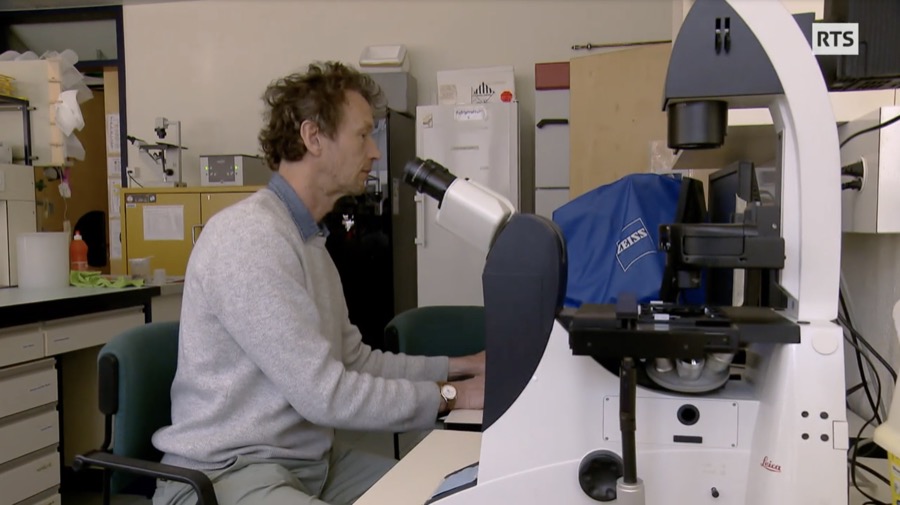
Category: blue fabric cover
<point>612,237</point>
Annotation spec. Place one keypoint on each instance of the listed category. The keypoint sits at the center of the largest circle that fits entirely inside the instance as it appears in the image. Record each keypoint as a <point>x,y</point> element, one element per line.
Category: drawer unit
<point>21,344</point>
<point>24,387</point>
<point>29,476</point>
<point>28,432</point>
<point>75,333</point>
<point>48,497</point>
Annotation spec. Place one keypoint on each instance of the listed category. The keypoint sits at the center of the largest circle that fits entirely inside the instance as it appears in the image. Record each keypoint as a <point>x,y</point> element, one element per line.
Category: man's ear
<point>309,133</point>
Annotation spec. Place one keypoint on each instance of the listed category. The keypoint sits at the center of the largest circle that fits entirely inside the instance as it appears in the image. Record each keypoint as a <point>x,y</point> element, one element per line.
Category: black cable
<point>135,180</point>
<point>855,388</point>
<point>871,349</point>
<point>859,365</point>
<point>877,475</point>
<point>854,184</point>
<point>855,449</point>
<point>857,169</point>
<point>858,339</point>
<point>873,128</point>
<point>857,335</point>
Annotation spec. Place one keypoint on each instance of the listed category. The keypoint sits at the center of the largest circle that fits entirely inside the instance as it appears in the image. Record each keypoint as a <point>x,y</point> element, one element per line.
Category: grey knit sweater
<point>268,363</point>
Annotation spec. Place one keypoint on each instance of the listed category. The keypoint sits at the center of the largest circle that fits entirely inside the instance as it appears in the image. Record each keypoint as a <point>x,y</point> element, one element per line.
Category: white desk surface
<point>414,478</point>
<point>463,416</point>
<point>19,296</point>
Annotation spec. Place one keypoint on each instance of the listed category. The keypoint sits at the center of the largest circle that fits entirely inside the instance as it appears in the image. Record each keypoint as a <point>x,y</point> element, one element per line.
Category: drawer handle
<point>544,122</point>
<point>194,233</point>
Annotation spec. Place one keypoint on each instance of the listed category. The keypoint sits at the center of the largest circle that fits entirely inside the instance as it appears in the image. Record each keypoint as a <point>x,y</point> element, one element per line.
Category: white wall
<point>207,63</point>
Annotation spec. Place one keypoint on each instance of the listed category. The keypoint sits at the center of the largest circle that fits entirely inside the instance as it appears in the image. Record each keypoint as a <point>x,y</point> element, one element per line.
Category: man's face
<point>349,156</point>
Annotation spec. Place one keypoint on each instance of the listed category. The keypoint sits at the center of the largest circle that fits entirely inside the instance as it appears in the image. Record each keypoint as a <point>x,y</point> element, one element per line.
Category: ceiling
<point>11,5</point>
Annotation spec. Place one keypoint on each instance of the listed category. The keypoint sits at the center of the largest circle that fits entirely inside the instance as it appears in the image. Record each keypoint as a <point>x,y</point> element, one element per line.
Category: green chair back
<point>445,330</point>
<point>136,372</point>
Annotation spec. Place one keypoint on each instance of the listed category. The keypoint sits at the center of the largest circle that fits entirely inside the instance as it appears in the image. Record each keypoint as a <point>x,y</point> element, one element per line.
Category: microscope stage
<point>673,331</point>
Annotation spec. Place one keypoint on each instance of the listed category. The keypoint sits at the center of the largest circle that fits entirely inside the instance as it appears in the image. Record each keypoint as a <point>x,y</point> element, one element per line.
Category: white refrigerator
<point>479,142</point>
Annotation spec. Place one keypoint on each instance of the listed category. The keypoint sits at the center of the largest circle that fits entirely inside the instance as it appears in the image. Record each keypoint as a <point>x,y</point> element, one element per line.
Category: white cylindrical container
<point>159,276</point>
<point>42,260</point>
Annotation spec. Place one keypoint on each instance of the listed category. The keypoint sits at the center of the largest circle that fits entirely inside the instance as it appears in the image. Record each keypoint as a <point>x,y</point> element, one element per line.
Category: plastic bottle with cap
<point>78,252</point>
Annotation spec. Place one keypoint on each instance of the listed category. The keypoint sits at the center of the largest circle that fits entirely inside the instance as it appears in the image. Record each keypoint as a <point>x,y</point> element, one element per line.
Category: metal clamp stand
<point>629,487</point>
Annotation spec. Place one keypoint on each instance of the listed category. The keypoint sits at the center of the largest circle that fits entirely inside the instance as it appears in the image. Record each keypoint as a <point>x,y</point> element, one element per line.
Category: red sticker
<point>506,96</point>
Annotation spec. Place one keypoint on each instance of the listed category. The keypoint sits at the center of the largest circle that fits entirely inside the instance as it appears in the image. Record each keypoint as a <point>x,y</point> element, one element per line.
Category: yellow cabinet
<point>164,223</point>
<point>210,203</point>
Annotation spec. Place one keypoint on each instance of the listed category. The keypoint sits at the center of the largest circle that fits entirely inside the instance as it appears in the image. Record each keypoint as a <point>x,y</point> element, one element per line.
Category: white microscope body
<point>777,436</point>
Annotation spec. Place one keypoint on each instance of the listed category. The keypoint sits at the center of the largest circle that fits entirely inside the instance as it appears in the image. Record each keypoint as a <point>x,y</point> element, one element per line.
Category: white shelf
<point>39,82</point>
<point>750,136</point>
<point>847,106</point>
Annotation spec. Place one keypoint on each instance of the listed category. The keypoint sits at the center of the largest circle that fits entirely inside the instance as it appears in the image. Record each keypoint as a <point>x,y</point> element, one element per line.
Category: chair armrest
<point>195,478</point>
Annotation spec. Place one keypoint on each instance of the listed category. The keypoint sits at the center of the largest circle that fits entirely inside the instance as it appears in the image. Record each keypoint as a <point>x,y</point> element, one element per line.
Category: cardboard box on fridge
<point>476,85</point>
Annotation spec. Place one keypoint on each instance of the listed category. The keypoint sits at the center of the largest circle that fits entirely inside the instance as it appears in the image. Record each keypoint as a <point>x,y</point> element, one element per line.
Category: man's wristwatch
<point>448,393</point>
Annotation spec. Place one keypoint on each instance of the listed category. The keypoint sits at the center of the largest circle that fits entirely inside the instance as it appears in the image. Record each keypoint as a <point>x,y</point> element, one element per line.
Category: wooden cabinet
<point>164,223</point>
<point>616,113</point>
<point>211,203</point>
<point>159,226</point>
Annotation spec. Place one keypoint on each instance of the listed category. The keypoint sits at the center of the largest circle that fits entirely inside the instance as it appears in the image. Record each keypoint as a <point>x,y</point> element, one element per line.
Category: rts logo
<point>835,38</point>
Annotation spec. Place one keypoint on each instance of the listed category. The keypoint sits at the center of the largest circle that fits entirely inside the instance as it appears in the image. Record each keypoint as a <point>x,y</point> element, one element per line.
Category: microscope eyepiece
<point>428,177</point>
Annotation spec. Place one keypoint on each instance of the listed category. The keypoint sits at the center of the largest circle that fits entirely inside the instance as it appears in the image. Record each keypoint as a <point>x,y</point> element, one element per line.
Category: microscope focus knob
<point>598,473</point>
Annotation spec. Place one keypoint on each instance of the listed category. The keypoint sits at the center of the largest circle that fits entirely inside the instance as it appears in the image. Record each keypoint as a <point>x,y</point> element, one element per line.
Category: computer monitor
<point>691,209</point>
<point>730,190</point>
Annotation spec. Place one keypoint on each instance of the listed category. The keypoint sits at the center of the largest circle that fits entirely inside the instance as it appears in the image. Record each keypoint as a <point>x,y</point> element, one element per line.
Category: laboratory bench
<point>49,341</point>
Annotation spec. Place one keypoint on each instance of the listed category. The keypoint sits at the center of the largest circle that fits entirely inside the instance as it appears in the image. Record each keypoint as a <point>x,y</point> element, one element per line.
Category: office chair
<point>136,369</point>
<point>444,330</point>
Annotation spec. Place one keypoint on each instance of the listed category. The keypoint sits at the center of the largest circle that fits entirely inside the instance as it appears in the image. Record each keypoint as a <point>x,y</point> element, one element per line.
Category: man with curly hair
<point>269,364</point>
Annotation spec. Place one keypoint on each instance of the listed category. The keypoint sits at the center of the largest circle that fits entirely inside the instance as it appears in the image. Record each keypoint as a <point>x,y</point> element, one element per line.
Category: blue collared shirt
<point>301,215</point>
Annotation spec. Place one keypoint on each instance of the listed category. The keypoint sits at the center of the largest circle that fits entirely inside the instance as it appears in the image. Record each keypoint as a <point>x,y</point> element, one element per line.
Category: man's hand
<point>467,366</point>
<point>470,393</point>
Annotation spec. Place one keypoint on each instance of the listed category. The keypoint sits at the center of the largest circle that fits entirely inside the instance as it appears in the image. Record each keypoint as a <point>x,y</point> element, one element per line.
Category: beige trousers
<point>340,481</point>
